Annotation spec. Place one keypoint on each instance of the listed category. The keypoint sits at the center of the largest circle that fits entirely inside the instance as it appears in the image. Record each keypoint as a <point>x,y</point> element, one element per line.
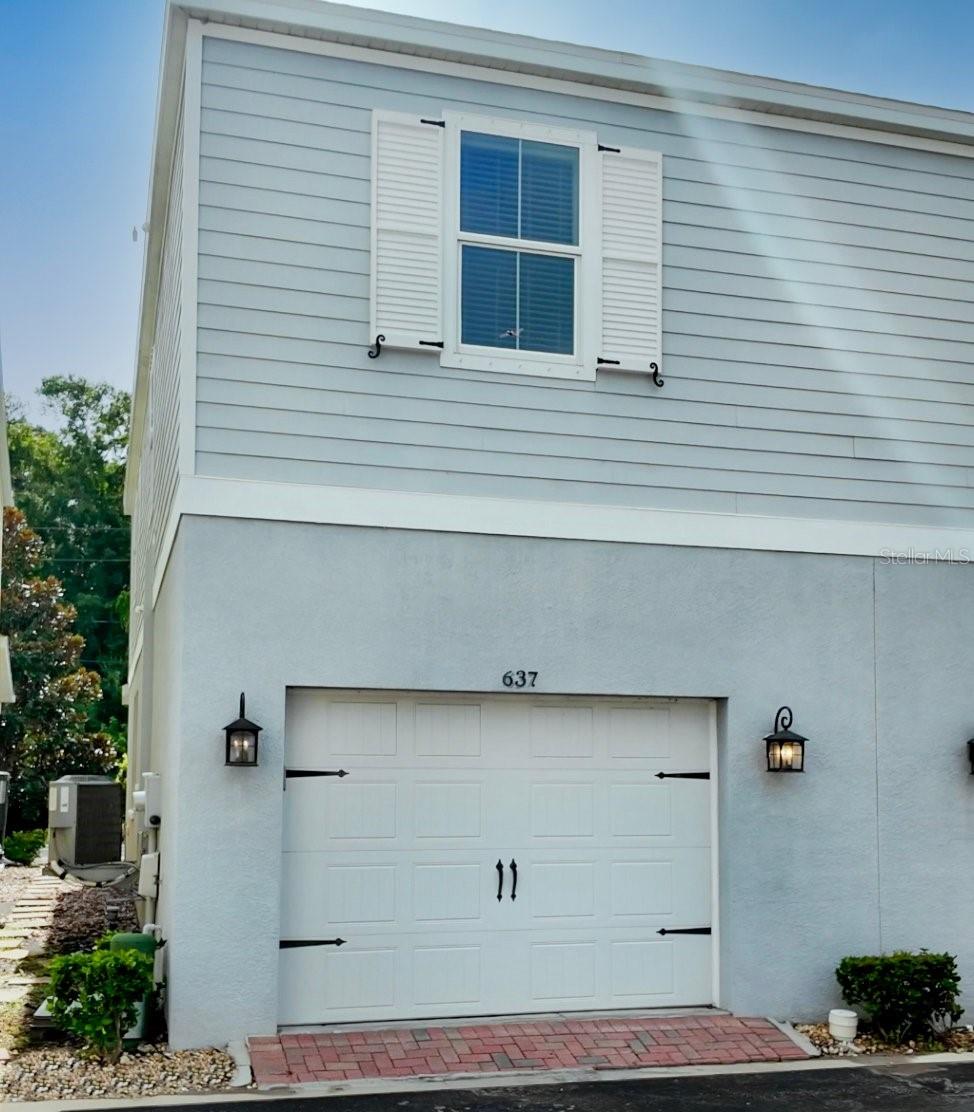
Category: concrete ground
<point>909,1087</point>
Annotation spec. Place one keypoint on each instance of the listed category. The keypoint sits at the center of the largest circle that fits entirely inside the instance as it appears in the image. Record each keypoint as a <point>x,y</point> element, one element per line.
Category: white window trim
<point>587,251</point>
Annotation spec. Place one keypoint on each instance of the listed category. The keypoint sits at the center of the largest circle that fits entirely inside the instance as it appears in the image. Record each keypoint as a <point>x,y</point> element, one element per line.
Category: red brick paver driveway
<point>597,1044</point>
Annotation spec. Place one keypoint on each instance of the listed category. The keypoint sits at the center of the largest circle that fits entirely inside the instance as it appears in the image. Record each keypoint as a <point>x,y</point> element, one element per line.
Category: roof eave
<point>683,83</point>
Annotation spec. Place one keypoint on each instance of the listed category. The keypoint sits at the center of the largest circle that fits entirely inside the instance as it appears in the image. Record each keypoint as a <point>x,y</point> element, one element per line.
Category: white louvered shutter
<point>631,258</point>
<point>407,218</point>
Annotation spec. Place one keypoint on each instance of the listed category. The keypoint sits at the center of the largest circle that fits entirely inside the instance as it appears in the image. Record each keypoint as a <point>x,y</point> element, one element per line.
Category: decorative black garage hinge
<point>682,775</point>
<point>304,773</point>
<point>684,930</point>
<point>297,943</point>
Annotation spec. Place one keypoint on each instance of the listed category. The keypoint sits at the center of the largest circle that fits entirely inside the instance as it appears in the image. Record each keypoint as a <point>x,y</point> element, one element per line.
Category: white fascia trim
<point>761,97</point>
<point>484,70</point>
<point>449,513</point>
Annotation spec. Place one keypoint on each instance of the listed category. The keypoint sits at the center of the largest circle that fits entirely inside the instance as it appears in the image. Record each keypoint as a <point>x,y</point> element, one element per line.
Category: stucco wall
<point>867,849</point>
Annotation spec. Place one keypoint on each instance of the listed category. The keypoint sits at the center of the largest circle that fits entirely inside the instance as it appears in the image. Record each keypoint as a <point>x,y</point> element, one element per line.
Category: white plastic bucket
<point>843,1024</point>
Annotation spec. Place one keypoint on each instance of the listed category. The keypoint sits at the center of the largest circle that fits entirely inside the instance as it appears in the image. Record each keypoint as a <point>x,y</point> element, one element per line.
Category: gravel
<point>60,1073</point>
<point>959,1040</point>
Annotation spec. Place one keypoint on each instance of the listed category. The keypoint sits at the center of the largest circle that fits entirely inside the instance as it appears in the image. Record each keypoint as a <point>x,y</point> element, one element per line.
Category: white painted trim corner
<point>189,250</point>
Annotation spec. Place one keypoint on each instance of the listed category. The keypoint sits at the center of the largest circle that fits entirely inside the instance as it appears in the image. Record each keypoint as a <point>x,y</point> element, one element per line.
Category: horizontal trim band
<point>384,509</point>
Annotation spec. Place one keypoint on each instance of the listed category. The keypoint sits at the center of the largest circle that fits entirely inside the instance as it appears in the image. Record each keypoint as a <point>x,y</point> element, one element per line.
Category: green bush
<point>904,995</point>
<point>22,846</point>
<point>95,996</point>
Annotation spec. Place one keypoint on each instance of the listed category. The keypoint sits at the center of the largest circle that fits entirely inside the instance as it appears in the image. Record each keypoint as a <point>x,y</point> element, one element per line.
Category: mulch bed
<point>84,915</point>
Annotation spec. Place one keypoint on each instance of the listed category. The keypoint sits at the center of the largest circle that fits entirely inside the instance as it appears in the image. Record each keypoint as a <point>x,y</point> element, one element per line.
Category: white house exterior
<point>507,579</point>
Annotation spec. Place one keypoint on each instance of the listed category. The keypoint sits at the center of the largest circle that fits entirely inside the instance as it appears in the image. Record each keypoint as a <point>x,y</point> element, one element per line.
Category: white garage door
<point>410,858</point>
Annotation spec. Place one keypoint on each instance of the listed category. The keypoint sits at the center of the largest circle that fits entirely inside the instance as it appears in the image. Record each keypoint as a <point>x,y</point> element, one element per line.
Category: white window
<point>514,247</point>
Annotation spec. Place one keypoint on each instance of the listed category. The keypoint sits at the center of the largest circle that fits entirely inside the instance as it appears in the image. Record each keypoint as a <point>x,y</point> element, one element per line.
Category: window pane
<point>488,184</point>
<point>488,297</point>
<point>547,304</point>
<point>549,192</point>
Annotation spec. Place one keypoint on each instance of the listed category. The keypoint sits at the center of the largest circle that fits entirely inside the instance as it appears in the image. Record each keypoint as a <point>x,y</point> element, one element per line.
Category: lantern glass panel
<point>242,747</point>
<point>786,754</point>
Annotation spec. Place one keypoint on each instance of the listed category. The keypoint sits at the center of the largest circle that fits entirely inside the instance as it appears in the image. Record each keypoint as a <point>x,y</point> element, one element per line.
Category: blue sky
<point>77,96</point>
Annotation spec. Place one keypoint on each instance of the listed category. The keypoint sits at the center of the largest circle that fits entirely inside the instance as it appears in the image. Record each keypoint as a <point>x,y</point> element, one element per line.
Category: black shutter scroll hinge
<point>607,362</point>
<point>684,930</point>
<point>611,150</point>
<point>431,343</point>
<point>434,123</point>
<point>682,775</point>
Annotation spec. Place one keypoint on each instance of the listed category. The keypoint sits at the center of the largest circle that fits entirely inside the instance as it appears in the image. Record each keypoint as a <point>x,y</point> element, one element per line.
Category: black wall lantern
<point>970,754</point>
<point>242,740</point>
<point>786,749</point>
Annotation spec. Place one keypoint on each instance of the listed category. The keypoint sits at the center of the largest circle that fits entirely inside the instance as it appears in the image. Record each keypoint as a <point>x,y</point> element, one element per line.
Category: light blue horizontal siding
<point>818,315</point>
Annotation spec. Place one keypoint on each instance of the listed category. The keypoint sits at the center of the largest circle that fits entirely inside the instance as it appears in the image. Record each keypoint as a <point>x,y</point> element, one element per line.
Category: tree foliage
<point>68,480</point>
<point>52,728</point>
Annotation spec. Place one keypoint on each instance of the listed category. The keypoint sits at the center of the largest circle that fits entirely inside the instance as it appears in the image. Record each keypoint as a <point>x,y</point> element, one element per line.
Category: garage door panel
<point>399,857</point>
<point>368,894</point>
<point>448,976</point>
<point>560,889</point>
<point>660,972</point>
<point>447,730</point>
<point>643,888</point>
<point>408,975</point>
<point>636,888</point>
<point>357,983</point>
<point>319,814</point>
<point>641,968</point>
<point>322,724</point>
<point>448,809</point>
<point>640,810</point>
<point>639,733</point>
<point>564,972</point>
<point>563,810</point>
<point>445,893</point>
<point>561,731</point>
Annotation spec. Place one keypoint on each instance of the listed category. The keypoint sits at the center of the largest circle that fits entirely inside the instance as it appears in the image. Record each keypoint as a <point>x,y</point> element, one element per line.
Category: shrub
<point>95,996</point>
<point>905,995</point>
<point>22,846</point>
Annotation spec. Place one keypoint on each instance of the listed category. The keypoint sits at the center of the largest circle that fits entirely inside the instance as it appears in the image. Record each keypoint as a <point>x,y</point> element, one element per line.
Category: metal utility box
<point>85,820</point>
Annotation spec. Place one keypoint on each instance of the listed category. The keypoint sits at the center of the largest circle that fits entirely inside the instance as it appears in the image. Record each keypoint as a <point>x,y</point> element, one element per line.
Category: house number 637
<point>519,679</point>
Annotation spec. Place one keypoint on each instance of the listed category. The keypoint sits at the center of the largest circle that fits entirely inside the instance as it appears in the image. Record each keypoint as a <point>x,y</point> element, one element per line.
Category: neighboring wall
<point>818,315</point>
<point>158,460</point>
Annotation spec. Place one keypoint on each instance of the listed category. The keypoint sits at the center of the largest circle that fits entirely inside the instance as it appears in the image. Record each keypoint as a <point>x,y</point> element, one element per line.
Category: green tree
<point>51,729</point>
<point>68,480</point>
